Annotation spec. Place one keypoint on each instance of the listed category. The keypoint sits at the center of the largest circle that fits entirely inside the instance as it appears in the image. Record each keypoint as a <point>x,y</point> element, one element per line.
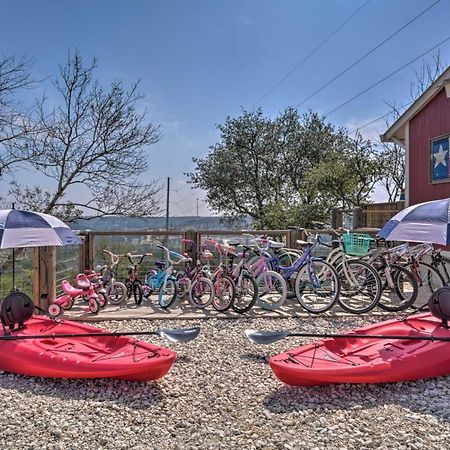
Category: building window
<point>440,161</point>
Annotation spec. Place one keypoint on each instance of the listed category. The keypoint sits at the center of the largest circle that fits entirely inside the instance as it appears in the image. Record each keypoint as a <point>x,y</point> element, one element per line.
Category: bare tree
<point>15,123</point>
<point>95,140</point>
<point>391,154</point>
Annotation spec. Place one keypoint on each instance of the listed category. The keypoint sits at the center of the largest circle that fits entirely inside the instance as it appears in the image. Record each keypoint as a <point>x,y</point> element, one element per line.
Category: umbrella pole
<point>13,261</point>
<point>13,269</point>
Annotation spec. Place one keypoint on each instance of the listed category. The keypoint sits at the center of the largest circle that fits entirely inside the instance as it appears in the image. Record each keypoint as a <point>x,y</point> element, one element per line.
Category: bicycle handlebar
<point>130,256</point>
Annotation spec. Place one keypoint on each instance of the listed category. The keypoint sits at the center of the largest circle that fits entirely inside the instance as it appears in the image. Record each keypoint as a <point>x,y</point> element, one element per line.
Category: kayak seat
<point>439,304</point>
<point>16,309</point>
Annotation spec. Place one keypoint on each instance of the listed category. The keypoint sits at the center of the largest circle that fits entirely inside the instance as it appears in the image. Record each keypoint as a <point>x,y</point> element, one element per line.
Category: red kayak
<point>81,357</point>
<point>364,360</point>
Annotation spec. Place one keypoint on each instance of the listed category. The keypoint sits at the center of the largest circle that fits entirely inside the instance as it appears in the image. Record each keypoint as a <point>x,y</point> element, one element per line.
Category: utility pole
<point>167,204</point>
<point>197,207</point>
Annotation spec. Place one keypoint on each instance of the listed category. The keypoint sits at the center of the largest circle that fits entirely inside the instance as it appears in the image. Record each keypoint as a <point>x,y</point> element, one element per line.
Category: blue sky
<point>199,61</point>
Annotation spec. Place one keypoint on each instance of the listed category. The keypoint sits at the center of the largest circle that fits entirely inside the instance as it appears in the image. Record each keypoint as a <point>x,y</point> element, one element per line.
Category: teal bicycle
<point>163,278</point>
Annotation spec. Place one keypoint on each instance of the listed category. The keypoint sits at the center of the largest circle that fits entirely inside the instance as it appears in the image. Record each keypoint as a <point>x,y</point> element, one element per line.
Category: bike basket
<point>356,244</point>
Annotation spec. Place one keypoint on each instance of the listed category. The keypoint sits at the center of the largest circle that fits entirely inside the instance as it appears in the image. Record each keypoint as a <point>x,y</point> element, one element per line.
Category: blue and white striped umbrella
<point>425,222</point>
<point>31,229</point>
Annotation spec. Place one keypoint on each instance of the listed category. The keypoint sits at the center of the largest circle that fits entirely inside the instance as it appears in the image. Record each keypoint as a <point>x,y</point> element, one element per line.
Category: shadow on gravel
<point>254,357</point>
<point>134,395</point>
<point>424,397</point>
<point>183,359</point>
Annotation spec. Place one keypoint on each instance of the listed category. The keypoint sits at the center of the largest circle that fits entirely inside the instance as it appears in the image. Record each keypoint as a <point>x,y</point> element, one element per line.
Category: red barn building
<point>423,130</point>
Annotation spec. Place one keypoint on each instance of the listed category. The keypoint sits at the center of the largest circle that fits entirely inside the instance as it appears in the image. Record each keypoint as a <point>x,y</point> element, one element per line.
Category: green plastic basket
<point>356,244</point>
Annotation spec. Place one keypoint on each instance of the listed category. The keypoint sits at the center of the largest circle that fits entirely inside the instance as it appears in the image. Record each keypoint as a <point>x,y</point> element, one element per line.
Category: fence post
<point>88,251</point>
<point>335,218</point>
<point>292,237</point>
<point>357,218</point>
<point>189,248</point>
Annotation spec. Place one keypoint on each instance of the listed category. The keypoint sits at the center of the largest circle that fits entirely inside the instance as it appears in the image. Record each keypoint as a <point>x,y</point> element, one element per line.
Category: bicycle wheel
<point>317,286</point>
<point>246,294</point>
<point>183,284</point>
<point>428,280</point>
<point>402,293</point>
<point>360,286</point>
<point>68,304</point>
<point>167,293</point>
<point>443,267</point>
<point>137,292</point>
<point>94,305</point>
<point>102,300</point>
<point>201,292</point>
<point>272,290</point>
<point>54,310</point>
<point>224,293</point>
<point>288,258</point>
<point>116,293</point>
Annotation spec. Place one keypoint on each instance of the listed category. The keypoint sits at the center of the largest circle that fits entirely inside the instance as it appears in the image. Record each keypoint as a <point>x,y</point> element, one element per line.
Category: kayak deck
<point>367,360</point>
<point>87,357</point>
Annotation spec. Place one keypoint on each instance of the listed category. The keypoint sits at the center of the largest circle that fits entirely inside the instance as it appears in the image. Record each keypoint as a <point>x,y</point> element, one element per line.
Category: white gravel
<point>221,394</point>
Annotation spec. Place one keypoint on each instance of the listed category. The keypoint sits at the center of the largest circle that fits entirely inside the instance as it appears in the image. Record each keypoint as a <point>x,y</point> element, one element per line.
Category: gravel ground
<point>221,394</point>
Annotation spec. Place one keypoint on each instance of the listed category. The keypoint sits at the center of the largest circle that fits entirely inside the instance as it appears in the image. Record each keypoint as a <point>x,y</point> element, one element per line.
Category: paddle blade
<point>265,337</point>
<point>179,335</point>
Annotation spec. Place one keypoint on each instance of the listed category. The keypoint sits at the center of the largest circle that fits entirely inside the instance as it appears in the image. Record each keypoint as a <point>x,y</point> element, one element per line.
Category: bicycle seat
<point>235,244</point>
<point>160,264</point>
<point>83,282</point>
<point>70,290</point>
<point>207,254</point>
<point>301,242</point>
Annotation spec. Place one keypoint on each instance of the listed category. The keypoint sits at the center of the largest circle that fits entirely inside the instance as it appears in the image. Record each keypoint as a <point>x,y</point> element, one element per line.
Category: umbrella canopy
<point>31,229</point>
<point>425,222</point>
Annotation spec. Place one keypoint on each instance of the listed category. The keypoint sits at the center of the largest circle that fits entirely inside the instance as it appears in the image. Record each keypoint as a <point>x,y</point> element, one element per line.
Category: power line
<point>387,76</point>
<point>310,54</point>
<point>378,118</point>
<point>366,54</point>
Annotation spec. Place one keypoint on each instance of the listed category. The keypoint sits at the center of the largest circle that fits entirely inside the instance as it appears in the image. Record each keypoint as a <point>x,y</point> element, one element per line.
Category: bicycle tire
<point>443,268</point>
<point>198,289</point>
<point>94,305</point>
<point>366,277</point>
<point>116,293</point>
<point>171,296</point>
<point>102,300</point>
<point>267,291</point>
<point>137,292</point>
<point>327,277</point>
<point>183,284</point>
<point>239,305</point>
<point>397,272</point>
<point>431,281</point>
<point>219,302</point>
<point>68,304</point>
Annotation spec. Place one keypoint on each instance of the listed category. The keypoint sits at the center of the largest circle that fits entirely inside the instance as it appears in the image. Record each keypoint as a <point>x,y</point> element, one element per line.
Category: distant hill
<point>119,223</point>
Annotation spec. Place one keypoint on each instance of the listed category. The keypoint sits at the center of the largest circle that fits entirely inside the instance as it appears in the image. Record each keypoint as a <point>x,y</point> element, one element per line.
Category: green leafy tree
<point>276,170</point>
<point>349,173</point>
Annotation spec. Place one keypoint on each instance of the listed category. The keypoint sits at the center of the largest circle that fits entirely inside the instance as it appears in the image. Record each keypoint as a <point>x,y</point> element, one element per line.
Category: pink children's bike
<point>85,290</point>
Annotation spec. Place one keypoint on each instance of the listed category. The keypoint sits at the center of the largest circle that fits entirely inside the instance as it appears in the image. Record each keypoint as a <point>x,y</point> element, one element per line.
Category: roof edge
<point>418,105</point>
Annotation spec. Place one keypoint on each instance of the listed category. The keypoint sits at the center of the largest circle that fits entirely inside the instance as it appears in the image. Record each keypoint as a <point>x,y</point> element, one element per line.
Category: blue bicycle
<point>316,282</point>
<point>163,278</point>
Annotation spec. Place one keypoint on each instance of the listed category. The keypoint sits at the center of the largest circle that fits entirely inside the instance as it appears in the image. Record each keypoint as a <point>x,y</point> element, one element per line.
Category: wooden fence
<point>370,215</point>
<point>51,265</point>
